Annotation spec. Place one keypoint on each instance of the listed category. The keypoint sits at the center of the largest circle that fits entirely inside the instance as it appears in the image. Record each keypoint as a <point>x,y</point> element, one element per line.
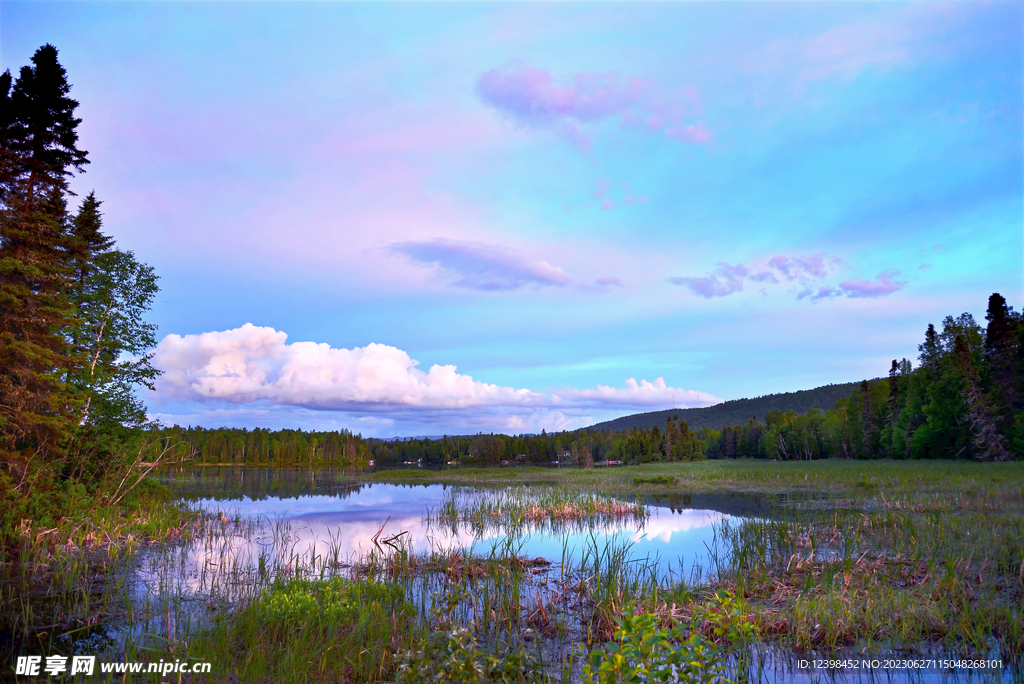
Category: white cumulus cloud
<point>254,363</point>
<point>643,393</point>
<point>255,369</point>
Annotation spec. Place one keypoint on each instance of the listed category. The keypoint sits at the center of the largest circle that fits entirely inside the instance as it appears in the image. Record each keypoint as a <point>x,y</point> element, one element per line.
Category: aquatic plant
<point>643,650</point>
<point>514,508</point>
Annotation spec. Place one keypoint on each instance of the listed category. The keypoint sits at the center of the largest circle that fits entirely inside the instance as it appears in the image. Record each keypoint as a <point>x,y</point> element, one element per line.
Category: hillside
<point>737,411</point>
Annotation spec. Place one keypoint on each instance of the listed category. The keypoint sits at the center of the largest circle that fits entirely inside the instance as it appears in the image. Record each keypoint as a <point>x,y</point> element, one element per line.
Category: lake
<point>327,514</point>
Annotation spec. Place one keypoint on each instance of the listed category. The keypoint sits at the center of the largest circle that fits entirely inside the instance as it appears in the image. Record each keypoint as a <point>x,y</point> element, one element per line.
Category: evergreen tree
<point>930,349</point>
<point>43,134</point>
<point>39,135</point>
<point>1003,359</point>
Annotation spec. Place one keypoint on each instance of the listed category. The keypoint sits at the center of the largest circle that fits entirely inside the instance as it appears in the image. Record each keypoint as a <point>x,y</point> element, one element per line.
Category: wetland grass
<point>544,507</point>
<point>852,557</point>
<point>63,579</point>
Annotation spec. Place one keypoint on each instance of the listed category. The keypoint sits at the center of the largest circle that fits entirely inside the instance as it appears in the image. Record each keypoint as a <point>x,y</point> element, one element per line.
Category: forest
<point>964,400</point>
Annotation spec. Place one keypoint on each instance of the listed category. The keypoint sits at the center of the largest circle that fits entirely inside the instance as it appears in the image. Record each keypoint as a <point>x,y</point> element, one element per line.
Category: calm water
<point>326,514</point>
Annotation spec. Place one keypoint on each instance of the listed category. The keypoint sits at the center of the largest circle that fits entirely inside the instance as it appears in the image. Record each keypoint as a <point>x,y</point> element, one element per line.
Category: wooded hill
<point>737,411</point>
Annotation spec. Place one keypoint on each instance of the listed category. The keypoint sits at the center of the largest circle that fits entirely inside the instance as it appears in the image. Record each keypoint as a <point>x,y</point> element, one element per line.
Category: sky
<point>446,218</point>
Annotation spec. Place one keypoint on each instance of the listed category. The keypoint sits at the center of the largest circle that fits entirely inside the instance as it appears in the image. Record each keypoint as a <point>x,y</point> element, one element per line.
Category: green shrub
<point>455,656</point>
<point>312,602</point>
<point>643,651</point>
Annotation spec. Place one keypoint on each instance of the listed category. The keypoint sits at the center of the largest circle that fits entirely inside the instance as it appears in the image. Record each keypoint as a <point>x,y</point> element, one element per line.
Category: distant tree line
<point>240,446</point>
<point>584,448</point>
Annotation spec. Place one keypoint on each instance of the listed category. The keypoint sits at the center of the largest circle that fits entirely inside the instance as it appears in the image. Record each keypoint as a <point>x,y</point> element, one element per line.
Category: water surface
<point>327,513</point>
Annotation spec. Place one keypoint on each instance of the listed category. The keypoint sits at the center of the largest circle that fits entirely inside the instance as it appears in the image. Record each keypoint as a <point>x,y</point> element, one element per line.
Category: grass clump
<point>911,572</point>
<point>540,507</point>
<point>335,629</point>
<point>656,480</point>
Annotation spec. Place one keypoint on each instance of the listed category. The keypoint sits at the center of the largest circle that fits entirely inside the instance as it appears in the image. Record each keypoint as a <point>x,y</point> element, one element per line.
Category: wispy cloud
<point>482,266</point>
<point>806,272</point>
<point>532,97</point>
<point>815,294</point>
<point>723,281</point>
<point>255,368</point>
<point>841,51</point>
<point>803,267</point>
<point>884,284</point>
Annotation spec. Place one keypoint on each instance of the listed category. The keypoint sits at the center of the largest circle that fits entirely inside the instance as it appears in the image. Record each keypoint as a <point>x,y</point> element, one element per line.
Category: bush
<point>455,656</point>
<point>643,651</point>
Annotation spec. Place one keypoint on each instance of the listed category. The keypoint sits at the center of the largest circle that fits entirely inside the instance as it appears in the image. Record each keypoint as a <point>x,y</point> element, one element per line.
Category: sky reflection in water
<point>676,538</point>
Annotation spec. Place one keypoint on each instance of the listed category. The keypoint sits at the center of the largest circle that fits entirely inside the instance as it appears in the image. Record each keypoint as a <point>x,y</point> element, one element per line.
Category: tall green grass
<point>544,509</point>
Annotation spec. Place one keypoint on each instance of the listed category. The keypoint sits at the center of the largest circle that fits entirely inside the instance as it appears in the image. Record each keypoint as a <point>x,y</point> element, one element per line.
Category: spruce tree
<point>930,349</point>
<point>44,132</point>
<point>38,131</point>
<point>1002,358</point>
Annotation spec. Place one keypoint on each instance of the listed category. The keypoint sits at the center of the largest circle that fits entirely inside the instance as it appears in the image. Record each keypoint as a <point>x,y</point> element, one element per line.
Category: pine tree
<point>930,349</point>
<point>44,131</point>
<point>1002,358</point>
<point>39,137</point>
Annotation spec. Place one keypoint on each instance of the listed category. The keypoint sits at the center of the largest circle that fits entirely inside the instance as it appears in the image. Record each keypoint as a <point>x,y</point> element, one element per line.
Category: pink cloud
<point>532,97</point>
<point>803,267</point>
<point>723,281</point>
<point>880,287</point>
<point>531,94</point>
<point>608,282</point>
<point>822,293</point>
<point>694,133</point>
<point>257,366</point>
<point>805,271</point>
<point>482,266</point>
<point>643,393</point>
<point>607,204</point>
<point>764,277</point>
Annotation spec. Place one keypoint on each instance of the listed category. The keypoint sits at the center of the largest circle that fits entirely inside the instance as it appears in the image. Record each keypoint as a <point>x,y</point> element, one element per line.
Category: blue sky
<point>419,218</point>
